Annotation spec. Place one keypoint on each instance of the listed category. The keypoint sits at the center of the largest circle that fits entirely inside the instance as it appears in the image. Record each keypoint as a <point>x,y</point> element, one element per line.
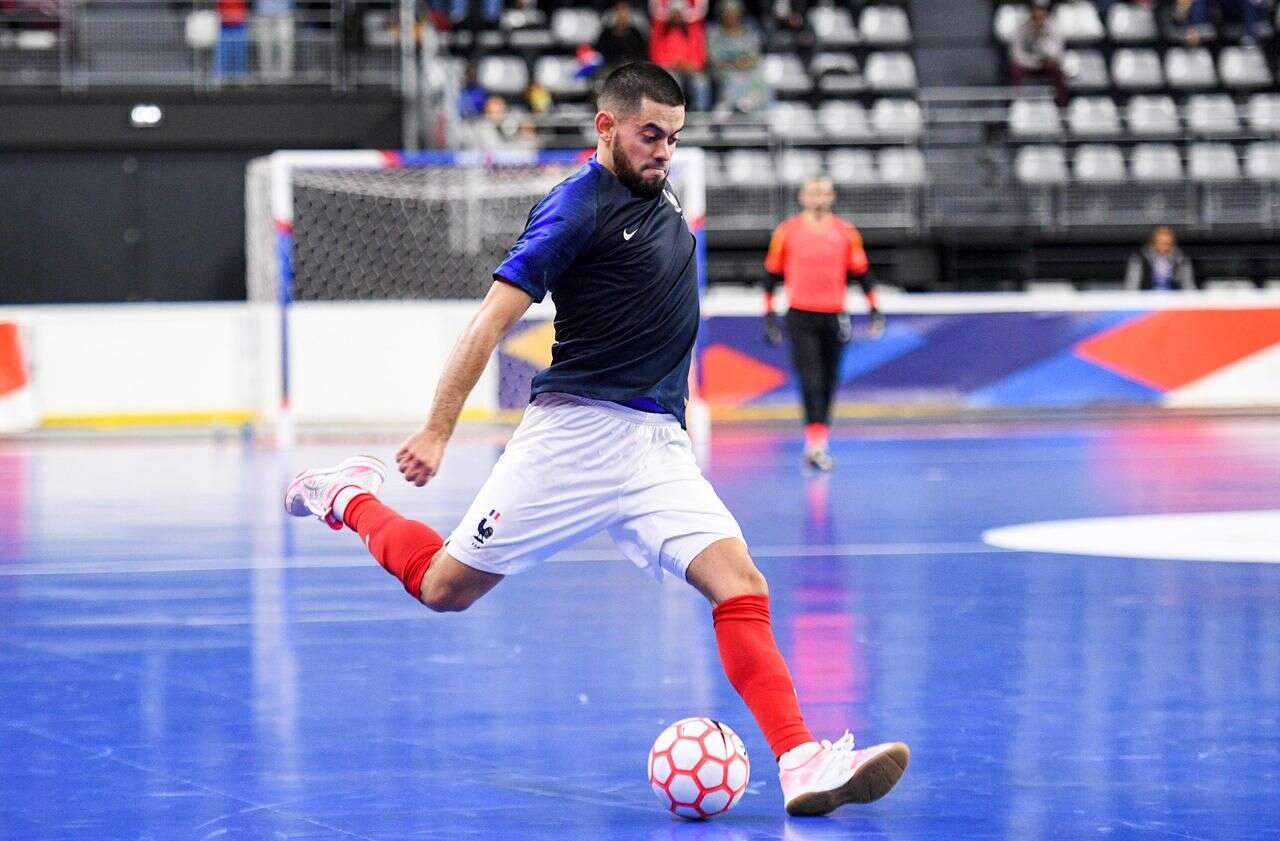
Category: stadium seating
<point>1154,115</point>
<point>1093,116</point>
<point>1156,162</point>
<point>1129,23</point>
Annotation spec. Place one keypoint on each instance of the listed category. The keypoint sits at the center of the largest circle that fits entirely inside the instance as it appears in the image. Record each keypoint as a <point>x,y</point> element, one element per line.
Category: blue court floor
<point>179,660</point>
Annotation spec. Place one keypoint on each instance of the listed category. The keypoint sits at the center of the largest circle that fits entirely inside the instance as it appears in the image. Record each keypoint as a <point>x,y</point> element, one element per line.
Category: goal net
<point>394,251</point>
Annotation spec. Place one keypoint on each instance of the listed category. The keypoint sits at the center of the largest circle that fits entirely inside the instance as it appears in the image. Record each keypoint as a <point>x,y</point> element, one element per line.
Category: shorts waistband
<point>560,398</point>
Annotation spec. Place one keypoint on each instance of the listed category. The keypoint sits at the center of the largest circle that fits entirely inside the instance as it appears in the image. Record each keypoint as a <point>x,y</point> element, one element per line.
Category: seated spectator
<point>1160,264</point>
<point>233,45</point>
<point>538,98</point>
<point>678,43</point>
<point>734,50</point>
<point>1245,14</point>
<point>524,14</point>
<point>472,97</point>
<point>621,41</point>
<point>1036,52</point>
<point>1186,22</point>
<point>787,24</point>
<point>492,133</point>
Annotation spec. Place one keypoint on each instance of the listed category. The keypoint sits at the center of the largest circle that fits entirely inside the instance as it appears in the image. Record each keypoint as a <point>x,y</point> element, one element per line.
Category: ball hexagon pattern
<point>698,768</point>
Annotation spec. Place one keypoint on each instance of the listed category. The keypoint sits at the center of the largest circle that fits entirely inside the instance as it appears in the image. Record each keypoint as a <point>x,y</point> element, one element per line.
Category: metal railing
<point>83,44</point>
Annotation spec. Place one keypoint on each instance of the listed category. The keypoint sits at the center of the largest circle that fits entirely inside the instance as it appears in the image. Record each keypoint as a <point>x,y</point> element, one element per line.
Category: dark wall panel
<point>82,227</point>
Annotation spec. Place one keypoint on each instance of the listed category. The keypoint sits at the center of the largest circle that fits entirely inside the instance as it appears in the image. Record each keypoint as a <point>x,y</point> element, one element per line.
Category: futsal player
<point>815,255</point>
<point>602,444</point>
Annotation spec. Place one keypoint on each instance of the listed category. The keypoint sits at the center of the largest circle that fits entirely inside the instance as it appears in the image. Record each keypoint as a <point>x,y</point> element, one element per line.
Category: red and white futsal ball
<point>698,768</point>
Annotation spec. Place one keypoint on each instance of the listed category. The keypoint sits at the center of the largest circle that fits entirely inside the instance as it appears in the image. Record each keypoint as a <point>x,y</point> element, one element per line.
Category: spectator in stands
<point>1186,22</point>
<point>233,47</point>
<point>678,44</point>
<point>788,26</point>
<point>734,50</point>
<point>1036,52</point>
<point>537,97</point>
<point>493,133</point>
<point>472,97</point>
<point>621,41</point>
<point>273,30</point>
<point>1246,14</point>
<point>1160,264</point>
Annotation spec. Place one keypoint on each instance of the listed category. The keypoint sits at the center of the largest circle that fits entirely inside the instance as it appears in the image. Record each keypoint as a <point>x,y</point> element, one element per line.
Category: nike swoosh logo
<point>627,235</point>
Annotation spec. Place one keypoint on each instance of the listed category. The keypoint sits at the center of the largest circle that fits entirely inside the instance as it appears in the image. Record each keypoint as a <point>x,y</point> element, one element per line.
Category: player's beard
<point>630,175</point>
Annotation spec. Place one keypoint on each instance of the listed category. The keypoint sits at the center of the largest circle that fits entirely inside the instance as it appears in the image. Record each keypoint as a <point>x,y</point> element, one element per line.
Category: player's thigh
<point>725,570</point>
<point>450,585</point>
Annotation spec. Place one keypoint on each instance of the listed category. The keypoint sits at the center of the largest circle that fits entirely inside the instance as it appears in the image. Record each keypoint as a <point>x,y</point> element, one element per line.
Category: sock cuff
<point>351,512</point>
<point>741,608</point>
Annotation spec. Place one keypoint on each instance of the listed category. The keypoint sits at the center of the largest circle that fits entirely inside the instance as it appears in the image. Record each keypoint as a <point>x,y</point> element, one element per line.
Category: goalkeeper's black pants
<point>816,348</point>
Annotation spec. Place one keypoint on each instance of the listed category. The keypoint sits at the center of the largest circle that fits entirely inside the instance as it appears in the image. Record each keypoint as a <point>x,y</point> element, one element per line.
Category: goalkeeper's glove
<point>877,323</point>
<point>772,329</point>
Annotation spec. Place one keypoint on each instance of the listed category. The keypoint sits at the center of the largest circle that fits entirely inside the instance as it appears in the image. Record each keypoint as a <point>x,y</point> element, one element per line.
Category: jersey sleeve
<point>773,260</point>
<point>558,230</point>
<point>858,263</point>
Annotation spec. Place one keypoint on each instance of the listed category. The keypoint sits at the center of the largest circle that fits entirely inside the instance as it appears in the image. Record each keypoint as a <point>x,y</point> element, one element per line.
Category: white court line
<point>845,550</point>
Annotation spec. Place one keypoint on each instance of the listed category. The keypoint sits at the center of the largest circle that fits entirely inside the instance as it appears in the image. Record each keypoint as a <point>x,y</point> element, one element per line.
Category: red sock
<point>815,436</point>
<point>404,547</point>
<point>756,669</point>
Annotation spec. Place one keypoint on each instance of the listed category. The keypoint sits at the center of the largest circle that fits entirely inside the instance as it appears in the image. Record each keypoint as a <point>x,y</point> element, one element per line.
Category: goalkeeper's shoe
<point>837,774</point>
<point>312,492</point>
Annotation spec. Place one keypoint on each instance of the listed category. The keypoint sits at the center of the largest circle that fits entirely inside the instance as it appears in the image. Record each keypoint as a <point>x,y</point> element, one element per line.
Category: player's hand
<point>772,329</point>
<point>877,324</point>
<point>419,457</point>
<point>844,328</point>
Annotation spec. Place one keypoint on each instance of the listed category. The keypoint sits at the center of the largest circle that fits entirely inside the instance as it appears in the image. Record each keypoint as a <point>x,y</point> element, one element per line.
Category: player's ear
<point>605,125</point>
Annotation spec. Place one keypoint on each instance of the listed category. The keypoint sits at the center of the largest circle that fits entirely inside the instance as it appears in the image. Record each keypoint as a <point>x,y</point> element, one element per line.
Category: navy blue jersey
<point>623,275</point>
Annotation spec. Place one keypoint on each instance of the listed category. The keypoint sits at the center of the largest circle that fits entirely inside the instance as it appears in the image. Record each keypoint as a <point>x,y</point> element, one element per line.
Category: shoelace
<point>842,745</point>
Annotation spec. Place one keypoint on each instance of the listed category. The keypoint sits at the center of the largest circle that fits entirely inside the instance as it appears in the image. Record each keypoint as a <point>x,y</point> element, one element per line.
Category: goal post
<point>397,248</point>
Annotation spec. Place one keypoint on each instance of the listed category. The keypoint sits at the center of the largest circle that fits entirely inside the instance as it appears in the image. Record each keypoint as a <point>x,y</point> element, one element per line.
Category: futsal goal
<point>364,266</point>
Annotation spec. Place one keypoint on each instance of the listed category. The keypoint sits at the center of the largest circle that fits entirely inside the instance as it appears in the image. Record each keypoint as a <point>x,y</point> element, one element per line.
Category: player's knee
<point>444,598</point>
<point>751,582</point>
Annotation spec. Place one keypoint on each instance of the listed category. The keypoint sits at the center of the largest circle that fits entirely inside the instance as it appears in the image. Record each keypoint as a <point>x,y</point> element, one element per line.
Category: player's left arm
<point>860,273</point>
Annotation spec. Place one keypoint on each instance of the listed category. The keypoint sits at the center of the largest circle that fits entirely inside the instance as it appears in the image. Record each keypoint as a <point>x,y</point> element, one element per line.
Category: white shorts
<point>576,467</point>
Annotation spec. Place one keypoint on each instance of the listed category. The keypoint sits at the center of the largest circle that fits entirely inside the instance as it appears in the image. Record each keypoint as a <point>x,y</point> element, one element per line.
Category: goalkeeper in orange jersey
<point>815,254</point>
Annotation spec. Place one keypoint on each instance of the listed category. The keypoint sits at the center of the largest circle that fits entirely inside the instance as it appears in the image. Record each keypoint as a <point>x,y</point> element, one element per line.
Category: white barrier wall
<point>378,362</point>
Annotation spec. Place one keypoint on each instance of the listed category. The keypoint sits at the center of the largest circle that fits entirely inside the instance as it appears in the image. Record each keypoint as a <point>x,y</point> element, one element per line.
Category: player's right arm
<point>420,456</point>
<point>558,229</point>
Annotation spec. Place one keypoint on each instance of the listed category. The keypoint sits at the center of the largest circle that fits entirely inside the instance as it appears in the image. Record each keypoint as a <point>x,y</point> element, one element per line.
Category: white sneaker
<point>837,774</point>
<point>312,491</point>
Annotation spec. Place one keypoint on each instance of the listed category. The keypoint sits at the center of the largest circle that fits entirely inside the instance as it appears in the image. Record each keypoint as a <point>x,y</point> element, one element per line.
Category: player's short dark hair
<point>625,87</point>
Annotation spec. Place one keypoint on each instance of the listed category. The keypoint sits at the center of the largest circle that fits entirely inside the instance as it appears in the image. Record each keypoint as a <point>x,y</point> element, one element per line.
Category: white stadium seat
<point>1093,116</point>
<point>1129,23</point>
<point>851,166</point>
<point>795,121</point>
<point>1098,163</point>
<point>573,26</point>
<point>1189,68</point>
<point>556,73</point>
<point>1077,22</point>
<point>1243,67</point>
<point>1034,118</point>
<point>1262,161</point>
<point>1213,162</point>
<point>1086,70</point>
<point>885,26</point>
<point>896,118</point>
<point>1213,113</point>
<point>844,120</point>
<point>1152,115</point>
<point>893,71</point>
<point>1136,68</point>
<point>505,75</point>
<point>1040,165</point>
<point>901,165</point>
<point>1264,113</point>
<point>796,165</point>
<point>748,168</point>
<point>785,74</point>
<point>1008,20</point>
<point>833,26</point>
<point>1156,162</point>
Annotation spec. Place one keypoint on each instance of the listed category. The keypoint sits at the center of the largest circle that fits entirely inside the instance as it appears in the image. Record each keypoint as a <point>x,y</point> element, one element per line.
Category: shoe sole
<point>374,464</point>
<point>873,780</point>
